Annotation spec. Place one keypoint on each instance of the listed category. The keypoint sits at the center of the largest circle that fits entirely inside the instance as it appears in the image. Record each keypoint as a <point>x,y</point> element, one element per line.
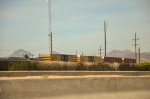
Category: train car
<point>72,58</point>
<point>108,59</point>
<point>58,57</point>
<point>78,58</point>
<point>83,58</point>
<point>118,60</point>
<point>98,59</point>
<point>91,58</point>
<point>44,57</point>
<point>95,59</point>
<point>129,60</point>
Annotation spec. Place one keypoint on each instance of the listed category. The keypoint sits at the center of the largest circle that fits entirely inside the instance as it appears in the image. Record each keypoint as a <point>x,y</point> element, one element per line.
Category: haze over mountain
<point>145,56</point>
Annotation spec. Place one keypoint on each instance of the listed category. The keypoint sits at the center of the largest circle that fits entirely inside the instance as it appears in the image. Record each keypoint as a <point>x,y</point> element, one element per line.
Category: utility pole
<point>100,53</point>
<point>105,36</point>
<point>135,44</point>
<point>50,27</point>
<point>139,53</point>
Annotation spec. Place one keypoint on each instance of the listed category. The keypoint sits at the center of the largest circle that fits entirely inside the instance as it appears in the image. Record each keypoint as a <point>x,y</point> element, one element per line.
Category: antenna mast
<point>50,28</point>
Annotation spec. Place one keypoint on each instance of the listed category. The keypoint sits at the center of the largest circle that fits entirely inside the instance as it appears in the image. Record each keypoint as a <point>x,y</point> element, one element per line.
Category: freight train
<point>81,58</point>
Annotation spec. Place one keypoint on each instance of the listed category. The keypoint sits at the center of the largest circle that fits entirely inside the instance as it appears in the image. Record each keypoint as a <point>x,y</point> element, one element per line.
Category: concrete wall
<point>77,88</point>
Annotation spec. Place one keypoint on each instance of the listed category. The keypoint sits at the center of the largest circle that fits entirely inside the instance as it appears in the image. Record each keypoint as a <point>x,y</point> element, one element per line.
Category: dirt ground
<point>118,95</point>
<point>75,87</point>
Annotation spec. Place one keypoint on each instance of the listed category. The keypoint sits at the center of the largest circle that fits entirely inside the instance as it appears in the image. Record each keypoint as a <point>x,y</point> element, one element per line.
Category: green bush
<point>23,65</point>
<point>144,66</point>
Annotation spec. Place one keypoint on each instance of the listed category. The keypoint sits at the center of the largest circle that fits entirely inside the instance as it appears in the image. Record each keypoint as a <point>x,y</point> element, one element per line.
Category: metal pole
<point>100,51</point>
<point>139,51</point>
<point>51,43</point>
<point>135,48</point>
<point>135,44</point>
<point>50,27</point>
<point>105,36</point>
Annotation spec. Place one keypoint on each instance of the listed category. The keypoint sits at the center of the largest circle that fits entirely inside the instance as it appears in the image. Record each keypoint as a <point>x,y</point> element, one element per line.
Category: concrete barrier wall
<point>70,73</point>
<point>83,87</point>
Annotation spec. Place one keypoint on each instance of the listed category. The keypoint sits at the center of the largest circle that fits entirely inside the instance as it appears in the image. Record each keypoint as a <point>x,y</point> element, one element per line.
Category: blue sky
<point>76,25</point>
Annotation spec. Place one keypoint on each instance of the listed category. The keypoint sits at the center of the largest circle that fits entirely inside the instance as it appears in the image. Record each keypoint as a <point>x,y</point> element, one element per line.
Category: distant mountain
<point>20,53</point>
<point>145,56</point>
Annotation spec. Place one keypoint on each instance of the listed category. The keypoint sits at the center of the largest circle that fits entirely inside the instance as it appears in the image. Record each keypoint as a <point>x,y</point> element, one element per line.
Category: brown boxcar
<point>128,60</point>
<point>117,60</point>
<point>112,59</point>
<point>108,59</point>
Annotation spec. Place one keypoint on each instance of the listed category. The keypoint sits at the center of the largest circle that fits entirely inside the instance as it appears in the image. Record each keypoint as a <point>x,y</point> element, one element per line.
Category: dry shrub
<point>114,65</point>
<point>85,66</point>
<point>57,65</point>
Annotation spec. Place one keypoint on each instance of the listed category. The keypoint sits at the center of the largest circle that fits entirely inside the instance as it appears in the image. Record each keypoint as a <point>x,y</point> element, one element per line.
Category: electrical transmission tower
<point>135,45</point>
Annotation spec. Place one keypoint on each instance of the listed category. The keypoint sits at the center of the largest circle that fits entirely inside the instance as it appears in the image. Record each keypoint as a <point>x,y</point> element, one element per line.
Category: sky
<point>76,25</point>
